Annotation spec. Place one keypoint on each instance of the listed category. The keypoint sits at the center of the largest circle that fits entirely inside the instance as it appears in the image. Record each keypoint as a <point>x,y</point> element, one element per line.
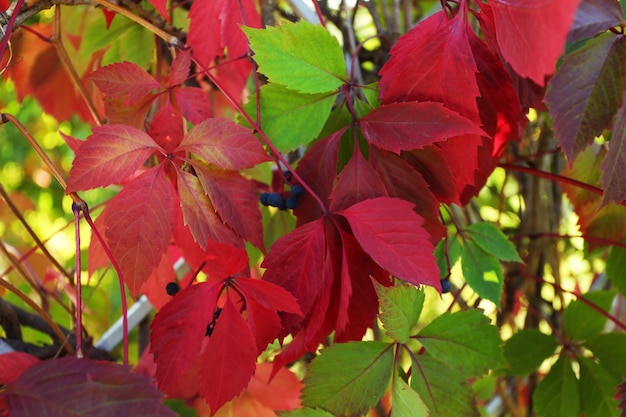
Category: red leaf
<point>4,5</point>
<point>224,144</point>
<point>279,392</point>
<point>154,286</point>
<point>72,142</point>
<point>318,168</point>
<point>532,33</point>
<point>225,260</point>
<point>404,126</point>
<point>193,103</point>
<point>235,200</point>
<point>198,212</point>
<point>263,322</point>
<point>13,364</point>
<point>166,128</point>
<point>139,225</point>
<point>430,63</point>
<point>108,16</point>
<point>178,331</point>
<point>80,387</point>
<point>124,79</point>
<point>229,359</point>
<point>403,181</point>
<point>132,115</point>
<point>268,295</point>
<point>431,163</point>
<point>179,71</point>
<point>357,181</point>
<point>392,234</point>
<point>295,261</point>
<point>109,155</point>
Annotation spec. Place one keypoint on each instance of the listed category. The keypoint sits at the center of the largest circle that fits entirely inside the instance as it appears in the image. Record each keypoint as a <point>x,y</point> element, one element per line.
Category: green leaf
<point>493,241</point>
<point>406,402</point>
<point>609,350</point>
<point>401,306</point>
<point>615,268</point>
<point>557,393</point>
<point>454,253</point>
<point>464,340</point>
<point>300,56</point>
<point>581,321</point>
<point>482,271</point>
<point>305,412</point>
<point>597,389</point>
<point>291,119</point>
<point>349,378</point>
<point>527,349</point>
<point>445,392</point>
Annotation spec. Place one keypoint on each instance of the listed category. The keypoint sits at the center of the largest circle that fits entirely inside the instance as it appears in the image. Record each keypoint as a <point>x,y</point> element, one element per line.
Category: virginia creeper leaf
<point>124,79</point>
<point>490,239</point>
<point>405,126</point>
<point>178,330</point>
<point>13,364</point>
<point>109,155</point>
<point>593,17</point>
<point>277,392</point>
<point>392,234</point>
<point>139,224</point>
<point>81,387</point>
<point>482,271</point>
<point>193,103</point>
<point>445,392</point>
<point>465,340</point>
<point>527,349</point>
<point>231,195</point>
<point>349,378</point>
<point>357,181</point>
<point>586,92</point>
<point>229,359</point>
<point>581,321</point>
<point>119,113</point>
<point>301,56</point>
<point>607,348</point>
<point>404,182</point>
<point>406,402</point>
<point>430,62</point>
<point>198,212</point>
<point>161,6</point>
<point>597,390</point>
<point>307,412</point>
<point>557,393</point>
<point>224,144</point>
<point>532,33</point>
<point>269,295</point>
<point>290,118</point>
<point>401,306</point>
<point>614,165</point>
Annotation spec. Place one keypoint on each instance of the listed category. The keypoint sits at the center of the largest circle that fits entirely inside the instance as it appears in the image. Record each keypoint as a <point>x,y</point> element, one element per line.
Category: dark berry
<point>446,286</point>
<point>291,203</point>
<point>297,191</point>
<point>282,205</point>
<point>287,174</point>
<point>172,288</point>
<point>274,200</point>
<point>264,199</point>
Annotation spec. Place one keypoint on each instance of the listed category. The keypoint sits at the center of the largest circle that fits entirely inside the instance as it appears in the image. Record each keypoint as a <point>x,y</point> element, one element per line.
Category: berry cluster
<point>277,200</point>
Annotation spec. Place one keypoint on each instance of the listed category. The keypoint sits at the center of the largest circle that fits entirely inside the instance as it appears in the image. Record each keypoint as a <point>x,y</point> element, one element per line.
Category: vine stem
<point>9,29</point>
<point>263,136</point>
<point>79,285</point>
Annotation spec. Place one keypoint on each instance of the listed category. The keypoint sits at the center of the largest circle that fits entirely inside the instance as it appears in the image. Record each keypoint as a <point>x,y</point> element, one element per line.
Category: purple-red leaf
<point>268,295</point>
<point>161,6</point>
<point>614,166</point>
<point>392,234</point>
<point>111,154</point>
<point>81,387</point>
<point>124,79</point>
<point>404,126</point>
<point>178,331</point>
<point>229,358</point>
<point>139,223</point>
<point>586,92</point>
<point>531,34</point>
<point>193,103</point>
<point>593,17</point>
<point>224,144</point>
